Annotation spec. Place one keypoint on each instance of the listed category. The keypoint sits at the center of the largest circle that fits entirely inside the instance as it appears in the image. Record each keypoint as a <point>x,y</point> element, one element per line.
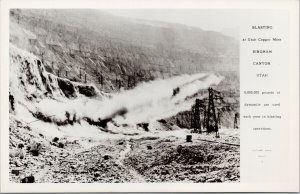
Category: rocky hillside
<point>36,94</point>
<point>28,75</point>
<point>114,52</point>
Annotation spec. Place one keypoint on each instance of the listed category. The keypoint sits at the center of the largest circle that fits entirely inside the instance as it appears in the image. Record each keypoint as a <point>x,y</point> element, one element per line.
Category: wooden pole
<point>128,81</point>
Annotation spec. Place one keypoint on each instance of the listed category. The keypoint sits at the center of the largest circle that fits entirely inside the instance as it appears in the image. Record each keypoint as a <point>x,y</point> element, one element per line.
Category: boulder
<point>28,179</point>
<point>106,157</point>
<point>61,145</point>
<point>20,146</point>
<point>88,91</point>
<point>179,149</point>
<point>55,139</point>
<point>16,153</point>
<point>35,148</point>
<point>15,172</point>
<point>18,163</point>
<point>67,88</point>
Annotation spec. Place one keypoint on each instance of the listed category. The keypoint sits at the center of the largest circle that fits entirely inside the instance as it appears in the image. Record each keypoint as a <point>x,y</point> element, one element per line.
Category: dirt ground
<point>155,156</point>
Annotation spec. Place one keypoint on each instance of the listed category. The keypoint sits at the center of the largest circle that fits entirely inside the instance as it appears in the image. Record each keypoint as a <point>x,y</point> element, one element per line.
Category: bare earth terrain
<point>161,156</point>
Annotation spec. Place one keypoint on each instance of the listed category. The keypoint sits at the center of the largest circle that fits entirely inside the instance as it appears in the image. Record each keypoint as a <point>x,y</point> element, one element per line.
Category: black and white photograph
<point>124,96</point>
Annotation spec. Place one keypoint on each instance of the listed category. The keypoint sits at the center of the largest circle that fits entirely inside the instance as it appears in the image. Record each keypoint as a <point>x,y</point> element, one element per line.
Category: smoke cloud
<point>147,102</point>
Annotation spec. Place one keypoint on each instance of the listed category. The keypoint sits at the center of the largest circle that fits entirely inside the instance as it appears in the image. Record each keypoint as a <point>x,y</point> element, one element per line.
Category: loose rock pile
<point>40,159</point>
<point>169,162</point>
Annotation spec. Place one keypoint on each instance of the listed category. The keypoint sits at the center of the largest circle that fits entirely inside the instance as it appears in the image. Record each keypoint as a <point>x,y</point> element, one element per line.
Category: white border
<point>291,5</point>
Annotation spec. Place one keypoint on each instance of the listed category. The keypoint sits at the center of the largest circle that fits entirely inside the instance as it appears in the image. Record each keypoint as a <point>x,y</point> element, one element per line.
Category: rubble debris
<point>179,149</point>
<point>20,145</point>
<point>15,172</point>
<point>66,87</point>
<point>96,174</point>
<point>88,91</point>
<point>144,126</point>
<point>35,148</point>
<point>17,153</point>
<point>196,163</point>
<point>61,145</point>
<point>18,163</point>
<point>106,157</point>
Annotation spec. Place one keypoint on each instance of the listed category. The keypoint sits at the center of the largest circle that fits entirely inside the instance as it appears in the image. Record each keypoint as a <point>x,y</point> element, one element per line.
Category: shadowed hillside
<point>94,46</point>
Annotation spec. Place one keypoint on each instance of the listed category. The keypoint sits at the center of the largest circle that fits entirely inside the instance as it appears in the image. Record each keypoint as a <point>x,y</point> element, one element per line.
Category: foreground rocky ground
<point>173,160</point>
<point>162,156</point>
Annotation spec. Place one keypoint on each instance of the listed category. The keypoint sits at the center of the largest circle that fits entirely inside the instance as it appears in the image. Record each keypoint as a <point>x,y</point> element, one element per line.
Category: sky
<point>214,20</point>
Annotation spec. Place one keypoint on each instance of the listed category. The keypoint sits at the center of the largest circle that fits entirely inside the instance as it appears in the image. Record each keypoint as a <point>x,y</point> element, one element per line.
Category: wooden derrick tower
<point>211,108</point>
<point>211,118</point>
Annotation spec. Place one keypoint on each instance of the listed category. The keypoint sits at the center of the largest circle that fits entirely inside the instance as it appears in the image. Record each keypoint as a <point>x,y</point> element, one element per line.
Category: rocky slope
<point>108,48</point>
<point>146,158</point>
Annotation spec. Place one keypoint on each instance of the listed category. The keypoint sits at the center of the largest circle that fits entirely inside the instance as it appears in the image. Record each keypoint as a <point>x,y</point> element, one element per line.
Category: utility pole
<point>134,81</point>
<point>204,117</point>
<point>100,79</point>
<point>196,117</point>
<point>80,73</point>
<point>192,117</point>
<point>219,119</point>
<point>128,81</point>
<point>120,84</point>
<point>235,124</point>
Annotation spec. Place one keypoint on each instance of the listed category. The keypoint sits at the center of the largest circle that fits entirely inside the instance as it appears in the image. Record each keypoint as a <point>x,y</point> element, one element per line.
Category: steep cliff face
<point>29,77</point>
<point>33,89</point>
